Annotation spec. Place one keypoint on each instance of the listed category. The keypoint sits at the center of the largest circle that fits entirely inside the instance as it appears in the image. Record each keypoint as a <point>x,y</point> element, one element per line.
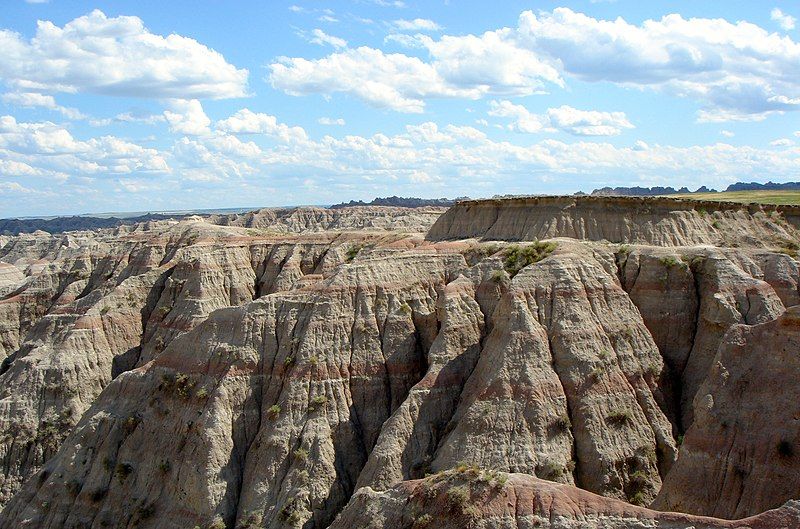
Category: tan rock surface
<point>740,455</point>
<point>474,498</point>
<point>180,374</point>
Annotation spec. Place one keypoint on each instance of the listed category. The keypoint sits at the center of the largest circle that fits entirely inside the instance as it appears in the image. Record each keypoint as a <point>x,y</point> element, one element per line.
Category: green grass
<point>762,197</point>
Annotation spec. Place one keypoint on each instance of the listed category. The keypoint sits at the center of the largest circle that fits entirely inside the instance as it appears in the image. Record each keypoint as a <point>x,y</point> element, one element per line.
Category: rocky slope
<point>182,374</point>
<point>471,497</point>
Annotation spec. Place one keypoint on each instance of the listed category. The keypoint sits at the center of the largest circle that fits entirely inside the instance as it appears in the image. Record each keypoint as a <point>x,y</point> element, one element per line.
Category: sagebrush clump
<point>517,257</point>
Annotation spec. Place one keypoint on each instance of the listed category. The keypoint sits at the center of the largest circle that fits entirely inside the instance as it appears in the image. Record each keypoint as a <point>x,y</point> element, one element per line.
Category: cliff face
<point>182,374</point>
<point>659,221</point>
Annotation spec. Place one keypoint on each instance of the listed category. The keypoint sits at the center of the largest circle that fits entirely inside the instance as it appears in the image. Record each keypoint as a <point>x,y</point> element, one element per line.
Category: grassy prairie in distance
<point>763,197</point>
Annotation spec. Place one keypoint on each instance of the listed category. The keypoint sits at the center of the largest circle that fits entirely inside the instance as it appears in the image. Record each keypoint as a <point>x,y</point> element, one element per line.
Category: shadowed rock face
<point>184,374</point>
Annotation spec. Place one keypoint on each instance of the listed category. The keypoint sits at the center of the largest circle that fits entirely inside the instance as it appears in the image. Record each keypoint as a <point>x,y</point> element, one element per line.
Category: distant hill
<point>74,223</point>
<point>769,186</point>
<point>647,191</point>
<point>401,202</point>
<point>651,191</point>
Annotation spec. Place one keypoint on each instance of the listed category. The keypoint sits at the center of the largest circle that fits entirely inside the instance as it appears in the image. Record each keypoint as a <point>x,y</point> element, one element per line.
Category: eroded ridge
<point>224,376</point>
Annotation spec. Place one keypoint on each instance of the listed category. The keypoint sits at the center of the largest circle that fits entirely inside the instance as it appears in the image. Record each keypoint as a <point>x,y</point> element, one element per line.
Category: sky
<point>172,105</point>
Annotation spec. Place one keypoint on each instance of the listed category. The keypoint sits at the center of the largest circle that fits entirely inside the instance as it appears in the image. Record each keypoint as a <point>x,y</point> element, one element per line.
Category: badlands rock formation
<point>312,367</point>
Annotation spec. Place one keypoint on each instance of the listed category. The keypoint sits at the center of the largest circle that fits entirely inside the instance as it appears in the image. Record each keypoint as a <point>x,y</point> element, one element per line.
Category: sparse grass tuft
<point>301,454</point>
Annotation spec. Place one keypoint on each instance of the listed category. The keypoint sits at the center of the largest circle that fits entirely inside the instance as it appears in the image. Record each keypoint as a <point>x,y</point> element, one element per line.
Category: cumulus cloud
<point>251,153</point>
<point>37,100</point>
<point>736,71</point>
<point>116,56</point>
<point>786,22</point>
<point>331,121</point>
<point>564,118</point>
<point>246,121</point>
<point>52,150</point>
<point>727,133</point>
<point>187,117</point>
<point>417,24</point>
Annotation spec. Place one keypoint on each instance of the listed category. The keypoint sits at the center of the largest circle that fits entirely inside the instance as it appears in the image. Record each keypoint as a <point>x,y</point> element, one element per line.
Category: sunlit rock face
<point>385,367</point>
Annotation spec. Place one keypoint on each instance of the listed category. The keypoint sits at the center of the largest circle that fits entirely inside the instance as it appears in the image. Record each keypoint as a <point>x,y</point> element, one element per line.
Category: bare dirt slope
<point>182,374</point>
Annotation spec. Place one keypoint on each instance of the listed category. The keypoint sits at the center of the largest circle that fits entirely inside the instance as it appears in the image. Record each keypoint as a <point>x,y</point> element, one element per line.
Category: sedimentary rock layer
<point>187,374</point>
<point>641,220</point>
<point>481,499</point>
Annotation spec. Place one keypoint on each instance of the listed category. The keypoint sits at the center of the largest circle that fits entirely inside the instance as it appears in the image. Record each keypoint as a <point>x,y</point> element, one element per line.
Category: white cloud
<point>246,121</point>
<point>462,68</point>
<point>736,71</point>
<point>187,117</point>
<point>116,56</point>
<point>37,1</point>
<point>727,133</point>
<point>331,121</point>
<point>564,118</point>
<point>320,37</point>
<point>50,149</point>
<point>394,81</point>
<point>34,100</point>
<point>783,142</point>
<point>417,24</point>
<point>448,159</point>
<point>388,3</point>
<point>786,22</point>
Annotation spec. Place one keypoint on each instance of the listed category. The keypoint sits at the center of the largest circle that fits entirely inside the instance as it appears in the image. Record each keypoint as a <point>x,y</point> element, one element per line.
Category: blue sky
<point>131,106</point>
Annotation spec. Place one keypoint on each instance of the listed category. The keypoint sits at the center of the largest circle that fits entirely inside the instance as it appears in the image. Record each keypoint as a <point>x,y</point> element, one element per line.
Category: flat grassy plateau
<point>763,197</point>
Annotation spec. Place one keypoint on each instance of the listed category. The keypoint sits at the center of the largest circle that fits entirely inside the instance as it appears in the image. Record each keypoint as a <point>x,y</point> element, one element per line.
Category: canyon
<point>563,362</point>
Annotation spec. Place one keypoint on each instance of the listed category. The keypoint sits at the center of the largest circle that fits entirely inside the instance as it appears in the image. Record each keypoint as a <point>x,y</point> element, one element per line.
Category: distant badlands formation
<point>15,226</point>
<point>555,362</point>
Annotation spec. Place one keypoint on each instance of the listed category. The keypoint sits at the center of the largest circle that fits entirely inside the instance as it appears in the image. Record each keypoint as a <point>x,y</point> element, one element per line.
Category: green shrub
<point>458,495</point>
<point>301,454</point>
<point>624,249</point>
<point>123,470</point>
<point>619,417</point>
<point>423,521</point>
<point>352,252</point>
<point>273,411</point>
<point>164,466</point>
<point>669,261</point>
<point>498,276</point>
<point>550,470</point>
<point>405,308</point>
<point>318,402</point>
<point>516,257</point>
